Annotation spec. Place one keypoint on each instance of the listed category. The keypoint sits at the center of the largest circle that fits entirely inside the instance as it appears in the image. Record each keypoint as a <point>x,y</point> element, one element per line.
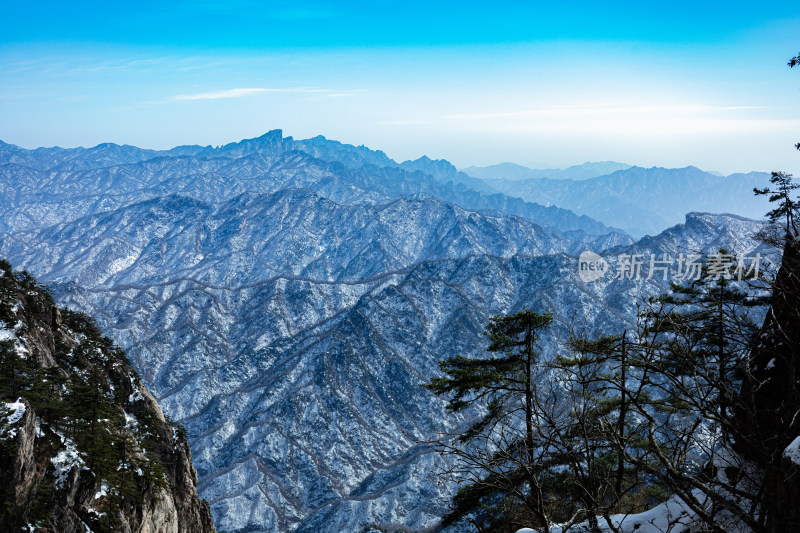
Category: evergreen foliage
<point>84,399</point>
<point>698,403</point>
<point>505,383</point>
<point>786,210</point>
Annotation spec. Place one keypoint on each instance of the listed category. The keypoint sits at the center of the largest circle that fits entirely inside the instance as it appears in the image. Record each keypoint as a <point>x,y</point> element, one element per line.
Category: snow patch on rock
<point>17,411</point>
<point>66,460</point>
<point>792,452</point>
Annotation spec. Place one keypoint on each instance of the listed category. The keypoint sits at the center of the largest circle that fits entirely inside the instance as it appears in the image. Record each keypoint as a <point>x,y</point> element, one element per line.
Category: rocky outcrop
<point>770,428</point>
<point>83,445</point>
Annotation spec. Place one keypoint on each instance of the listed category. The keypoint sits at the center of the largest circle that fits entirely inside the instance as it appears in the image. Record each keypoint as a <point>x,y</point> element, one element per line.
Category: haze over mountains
<point>644,200</point>
<point>285,299</point>
<point>512,171</point>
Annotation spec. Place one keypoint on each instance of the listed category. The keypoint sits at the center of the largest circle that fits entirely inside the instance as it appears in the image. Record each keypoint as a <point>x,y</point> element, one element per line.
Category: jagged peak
<point>273,134</point>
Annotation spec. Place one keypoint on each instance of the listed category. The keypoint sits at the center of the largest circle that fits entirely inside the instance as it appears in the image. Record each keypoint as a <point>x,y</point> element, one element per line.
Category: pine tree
<point>601,436</point>
<point>707,330</point>
<point>786,210</point>
<point>506,440</point>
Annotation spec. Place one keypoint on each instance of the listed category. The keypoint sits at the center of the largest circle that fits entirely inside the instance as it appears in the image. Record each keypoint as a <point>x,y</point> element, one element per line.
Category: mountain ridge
<point>202,175</point>
<point>295,335</point>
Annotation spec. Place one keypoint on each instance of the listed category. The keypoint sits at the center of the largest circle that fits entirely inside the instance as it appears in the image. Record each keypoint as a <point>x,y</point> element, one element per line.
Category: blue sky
<point>542,84</point>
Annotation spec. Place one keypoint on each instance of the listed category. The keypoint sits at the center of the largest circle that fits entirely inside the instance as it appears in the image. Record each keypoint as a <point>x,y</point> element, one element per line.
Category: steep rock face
<point>775,361</point>
<point>83,445</point>
<point>772,389</point>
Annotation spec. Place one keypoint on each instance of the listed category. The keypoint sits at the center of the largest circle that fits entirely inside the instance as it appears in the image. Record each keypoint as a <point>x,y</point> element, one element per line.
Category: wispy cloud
<point>249,91</point>
<point>229,93</point>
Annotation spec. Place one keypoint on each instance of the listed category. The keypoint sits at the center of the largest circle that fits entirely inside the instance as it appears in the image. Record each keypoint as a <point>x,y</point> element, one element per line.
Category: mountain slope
<point>302,397</point>
<point>251,238</point>
<point>83,445</point>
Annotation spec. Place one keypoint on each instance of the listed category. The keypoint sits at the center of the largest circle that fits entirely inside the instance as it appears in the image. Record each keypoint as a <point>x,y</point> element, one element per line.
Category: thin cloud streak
<point>217,95</point>
<point>245,91</point>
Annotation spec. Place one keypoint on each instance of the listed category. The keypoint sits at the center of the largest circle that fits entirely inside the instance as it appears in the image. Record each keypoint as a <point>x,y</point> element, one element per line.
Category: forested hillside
<point>83,445</point>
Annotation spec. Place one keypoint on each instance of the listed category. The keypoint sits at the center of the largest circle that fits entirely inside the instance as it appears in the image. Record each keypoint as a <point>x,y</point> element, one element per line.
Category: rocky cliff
<point>83,445</point>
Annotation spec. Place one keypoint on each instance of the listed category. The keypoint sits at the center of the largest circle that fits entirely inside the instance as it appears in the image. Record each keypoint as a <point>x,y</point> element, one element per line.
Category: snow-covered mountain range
<point>285,299</point>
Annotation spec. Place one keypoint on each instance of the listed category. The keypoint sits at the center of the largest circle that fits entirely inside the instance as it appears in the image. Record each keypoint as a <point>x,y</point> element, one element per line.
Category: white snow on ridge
<point>103,490</point>
<point>130,421</point>
<point>135,396</point>
<point>17,412</point>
